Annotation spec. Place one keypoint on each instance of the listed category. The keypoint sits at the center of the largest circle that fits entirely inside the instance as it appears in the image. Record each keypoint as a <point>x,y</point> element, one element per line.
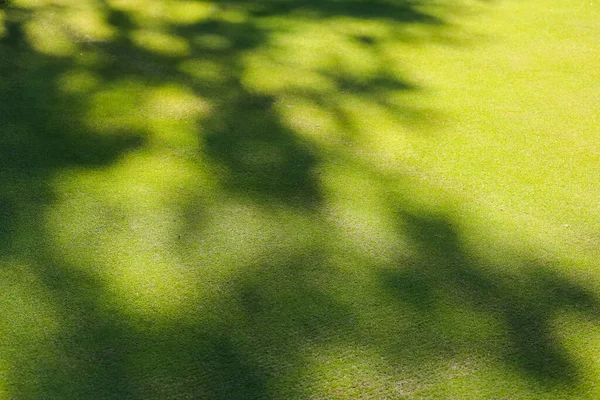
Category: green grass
<point>299,199</point>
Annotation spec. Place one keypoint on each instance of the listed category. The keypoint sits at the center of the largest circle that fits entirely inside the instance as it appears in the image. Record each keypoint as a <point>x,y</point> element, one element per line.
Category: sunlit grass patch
<point>88,24</point>
<point>527,131</point>
<point>161,42</point>
<point>270,76</point>
<point>48,36</point>
<point>2,24</point>
<point>167,114</point>
<point>165,12</point>
<point>127,231</point>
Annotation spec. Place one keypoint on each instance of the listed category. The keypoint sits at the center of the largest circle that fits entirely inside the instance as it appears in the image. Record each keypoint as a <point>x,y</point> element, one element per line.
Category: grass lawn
<point>285,199</point>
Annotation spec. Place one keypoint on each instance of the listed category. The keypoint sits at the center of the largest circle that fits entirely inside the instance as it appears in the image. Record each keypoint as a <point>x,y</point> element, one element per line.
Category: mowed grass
<point>299,199</point>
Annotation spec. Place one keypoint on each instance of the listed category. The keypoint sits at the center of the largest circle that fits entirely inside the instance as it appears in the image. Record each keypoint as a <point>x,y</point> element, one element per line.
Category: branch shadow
<point>42,130</point>
<point>522,299</point>
<point>259,337</point>
<point>401,11</point>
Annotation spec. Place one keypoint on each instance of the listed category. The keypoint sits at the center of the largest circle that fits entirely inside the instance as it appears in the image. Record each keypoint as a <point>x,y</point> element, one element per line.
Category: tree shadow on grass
<point>523,297</point>
<point>42,130</point>
<point>270,329</point>
<point>400,11</point>
<point>283,318</point>
<point>261,158</point>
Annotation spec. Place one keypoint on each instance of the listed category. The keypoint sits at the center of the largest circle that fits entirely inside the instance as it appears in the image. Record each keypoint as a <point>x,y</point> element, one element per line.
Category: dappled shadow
<point>84,350</point>
<point>396,10</point>
<point>42,130</point>
<point>261,158</point>
<point>194,205</point>
<point>523,297</point>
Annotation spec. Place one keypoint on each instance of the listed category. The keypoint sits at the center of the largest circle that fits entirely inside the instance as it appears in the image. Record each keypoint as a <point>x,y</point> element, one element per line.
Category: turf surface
<point>299,199</point>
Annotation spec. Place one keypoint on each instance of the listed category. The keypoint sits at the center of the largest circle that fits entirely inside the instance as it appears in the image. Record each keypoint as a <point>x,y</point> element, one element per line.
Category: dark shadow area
<point>401,11</point>
<point>523,302</point>
<point>87,357</point>
<point>41,129</point>
<point>260,157</point>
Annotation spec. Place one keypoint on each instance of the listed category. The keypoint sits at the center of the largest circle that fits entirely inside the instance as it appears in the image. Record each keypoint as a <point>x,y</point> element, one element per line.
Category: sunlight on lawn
<point>534,158</point>
<point>285,199</point>
<point>2,24</point>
